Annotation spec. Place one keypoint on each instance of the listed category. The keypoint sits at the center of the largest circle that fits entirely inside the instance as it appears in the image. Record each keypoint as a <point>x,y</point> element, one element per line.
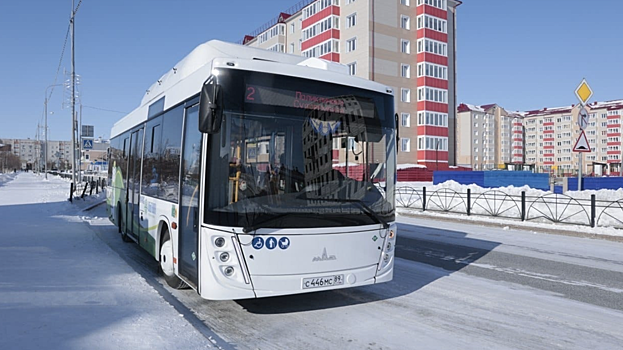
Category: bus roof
<point>195,68</point>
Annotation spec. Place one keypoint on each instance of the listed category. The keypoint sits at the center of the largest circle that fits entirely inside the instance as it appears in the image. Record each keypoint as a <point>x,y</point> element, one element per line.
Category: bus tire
<point>124,235</point>
<point>166,262</point>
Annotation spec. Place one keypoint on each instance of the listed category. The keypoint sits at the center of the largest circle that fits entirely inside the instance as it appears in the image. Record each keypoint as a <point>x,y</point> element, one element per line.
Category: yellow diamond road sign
<point>583,92</point>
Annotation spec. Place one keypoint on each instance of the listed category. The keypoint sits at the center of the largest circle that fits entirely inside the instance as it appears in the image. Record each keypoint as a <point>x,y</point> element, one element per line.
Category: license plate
<point>319,282</point>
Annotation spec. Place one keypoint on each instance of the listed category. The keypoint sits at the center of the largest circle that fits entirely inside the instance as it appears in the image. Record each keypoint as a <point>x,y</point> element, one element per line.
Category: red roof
<point>485,107</point>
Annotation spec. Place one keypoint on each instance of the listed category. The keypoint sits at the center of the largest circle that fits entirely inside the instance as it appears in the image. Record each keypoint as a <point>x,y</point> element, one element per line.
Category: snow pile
<point>475,189</point>
<point>574,207</point>
<point>410,166</point>
<point>4,178</point>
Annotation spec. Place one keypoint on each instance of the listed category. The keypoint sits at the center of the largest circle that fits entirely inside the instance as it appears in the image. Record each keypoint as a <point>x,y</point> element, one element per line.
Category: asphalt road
<point>587,276</point>
<point>455,286</point>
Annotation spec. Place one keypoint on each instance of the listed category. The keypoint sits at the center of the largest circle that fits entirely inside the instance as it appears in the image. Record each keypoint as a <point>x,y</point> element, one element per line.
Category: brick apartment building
<point>409,45</point>
<point>541,140</point>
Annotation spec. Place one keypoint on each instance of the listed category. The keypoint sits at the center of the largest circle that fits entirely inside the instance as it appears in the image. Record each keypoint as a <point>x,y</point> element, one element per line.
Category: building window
<point>292,28</point>
<point>351,44</point>
<point>352,68</point>
<point>433,23</point>
<point>426,93</point>
<point>405,95</point>
<point>322,49</point>
<point>432,46</point>
<point>405,145</point>
<point>405,46</point>
<point>432,70</point>
<point>405,119</point>
<point>404,2</point>
<point>291,50</point>
<point>351,20</point>
<point>405,22</point>
<point>405,70</point>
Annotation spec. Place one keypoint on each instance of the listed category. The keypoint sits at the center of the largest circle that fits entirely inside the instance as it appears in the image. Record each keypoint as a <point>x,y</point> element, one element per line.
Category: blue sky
<point>522,55</point>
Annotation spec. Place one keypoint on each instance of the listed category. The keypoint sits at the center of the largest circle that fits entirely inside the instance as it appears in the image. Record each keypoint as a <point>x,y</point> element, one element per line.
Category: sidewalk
<point>61,287</point>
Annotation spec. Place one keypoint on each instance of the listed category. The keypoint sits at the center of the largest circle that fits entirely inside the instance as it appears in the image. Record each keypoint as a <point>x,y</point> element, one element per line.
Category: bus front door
<point>189,198</point>
<point>134,185</point>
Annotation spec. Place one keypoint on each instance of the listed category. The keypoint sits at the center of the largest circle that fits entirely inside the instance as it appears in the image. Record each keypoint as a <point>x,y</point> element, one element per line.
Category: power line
<point>77,7</point>
<point>104,109</point>
<point>60,62</point>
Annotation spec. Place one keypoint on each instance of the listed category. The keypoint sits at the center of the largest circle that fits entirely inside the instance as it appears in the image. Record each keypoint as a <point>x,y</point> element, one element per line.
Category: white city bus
<point>249,173</point>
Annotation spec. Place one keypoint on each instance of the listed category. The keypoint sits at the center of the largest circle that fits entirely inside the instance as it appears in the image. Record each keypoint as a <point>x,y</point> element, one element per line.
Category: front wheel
<point>166,262</point>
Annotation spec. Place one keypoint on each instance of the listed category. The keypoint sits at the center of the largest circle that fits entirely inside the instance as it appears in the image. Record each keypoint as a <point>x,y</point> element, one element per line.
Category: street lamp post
<point>45,106</point>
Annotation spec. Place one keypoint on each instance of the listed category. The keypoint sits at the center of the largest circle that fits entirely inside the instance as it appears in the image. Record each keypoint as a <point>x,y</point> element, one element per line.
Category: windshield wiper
<point>260,224</point>
<point>366,209</point>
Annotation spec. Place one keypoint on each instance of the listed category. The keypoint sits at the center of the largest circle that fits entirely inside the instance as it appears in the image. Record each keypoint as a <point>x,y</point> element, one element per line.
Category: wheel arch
<point>163,222</point>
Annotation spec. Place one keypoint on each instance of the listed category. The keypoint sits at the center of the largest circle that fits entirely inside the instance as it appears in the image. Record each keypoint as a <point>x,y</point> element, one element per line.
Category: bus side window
<point>151,160</point>
<point>170,150</point>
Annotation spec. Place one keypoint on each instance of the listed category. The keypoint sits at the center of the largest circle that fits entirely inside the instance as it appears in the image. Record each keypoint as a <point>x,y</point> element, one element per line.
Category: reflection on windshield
<point>299,171</point>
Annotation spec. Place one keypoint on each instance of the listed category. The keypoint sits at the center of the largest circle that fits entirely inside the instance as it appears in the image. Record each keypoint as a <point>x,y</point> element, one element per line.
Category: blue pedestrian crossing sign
<point>87,144</point>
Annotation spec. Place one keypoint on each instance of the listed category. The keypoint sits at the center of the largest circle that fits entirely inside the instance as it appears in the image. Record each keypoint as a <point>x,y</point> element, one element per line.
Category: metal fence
<point>550,207</point>
<point>87,184</point>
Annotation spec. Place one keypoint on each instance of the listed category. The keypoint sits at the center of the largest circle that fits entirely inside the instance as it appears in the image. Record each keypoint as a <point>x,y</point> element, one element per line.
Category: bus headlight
<point>219,242</point>
<point>224,256</point>
<point>229,271</point>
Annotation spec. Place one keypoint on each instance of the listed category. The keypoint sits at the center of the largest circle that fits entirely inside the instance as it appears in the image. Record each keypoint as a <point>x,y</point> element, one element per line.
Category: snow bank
<point>573,207</point>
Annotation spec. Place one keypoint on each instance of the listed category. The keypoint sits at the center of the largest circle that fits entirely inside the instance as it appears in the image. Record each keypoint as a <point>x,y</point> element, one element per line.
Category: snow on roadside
<point>63,288</point>
<point>542,207</point>
<point>605,231</point>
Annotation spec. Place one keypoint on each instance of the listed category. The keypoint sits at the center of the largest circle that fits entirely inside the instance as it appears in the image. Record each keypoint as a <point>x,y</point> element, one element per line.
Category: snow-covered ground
<point>571,211</point>
<point>61,287</point>
<point>67,284</point>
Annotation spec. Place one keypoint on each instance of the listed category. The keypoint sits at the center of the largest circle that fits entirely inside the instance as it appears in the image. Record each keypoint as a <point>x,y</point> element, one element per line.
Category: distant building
<point>96,159</point>
<point>409,45</point>
<point>31,153</point>
<point>489,137</point>
<point>551,133</point>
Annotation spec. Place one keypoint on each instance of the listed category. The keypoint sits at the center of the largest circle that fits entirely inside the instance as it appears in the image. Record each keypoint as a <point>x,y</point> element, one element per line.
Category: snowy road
<point>456,286</point>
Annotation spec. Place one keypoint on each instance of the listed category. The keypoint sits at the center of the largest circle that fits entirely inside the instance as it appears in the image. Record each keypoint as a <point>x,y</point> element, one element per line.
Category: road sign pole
<point>580,172</point>
<point>583,92</point>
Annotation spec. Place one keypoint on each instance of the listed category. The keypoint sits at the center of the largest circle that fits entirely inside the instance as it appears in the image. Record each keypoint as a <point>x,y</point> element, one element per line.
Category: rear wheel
<point>166,262</point>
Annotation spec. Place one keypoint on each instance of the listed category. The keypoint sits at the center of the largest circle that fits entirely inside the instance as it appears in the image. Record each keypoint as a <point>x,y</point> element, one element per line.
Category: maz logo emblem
<point>324,257</point>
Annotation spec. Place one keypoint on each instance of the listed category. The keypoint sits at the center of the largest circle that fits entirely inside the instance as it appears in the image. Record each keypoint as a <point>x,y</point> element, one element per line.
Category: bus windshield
<point>288,158</point>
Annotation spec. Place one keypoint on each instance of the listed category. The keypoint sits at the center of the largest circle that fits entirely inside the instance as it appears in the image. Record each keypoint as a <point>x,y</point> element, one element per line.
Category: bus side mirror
<point>210,107</point>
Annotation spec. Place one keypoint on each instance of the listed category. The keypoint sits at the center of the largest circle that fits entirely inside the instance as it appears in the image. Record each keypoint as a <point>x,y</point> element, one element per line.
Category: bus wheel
<point>166,262</point>
<point>124,236</point>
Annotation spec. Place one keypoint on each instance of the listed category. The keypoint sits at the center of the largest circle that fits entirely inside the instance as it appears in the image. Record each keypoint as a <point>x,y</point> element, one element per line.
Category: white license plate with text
<point>319,282</point>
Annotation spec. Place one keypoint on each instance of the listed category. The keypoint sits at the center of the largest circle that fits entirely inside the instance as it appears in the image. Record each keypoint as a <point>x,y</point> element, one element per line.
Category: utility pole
<point>73,96</point>
<point>45,107</point>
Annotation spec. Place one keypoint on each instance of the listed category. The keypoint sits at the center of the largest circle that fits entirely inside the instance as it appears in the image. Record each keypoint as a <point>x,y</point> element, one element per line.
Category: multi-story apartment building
<point>409,45</point>
<point>551,133</point>
<point>31,152</point>
<point>489,137</point>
